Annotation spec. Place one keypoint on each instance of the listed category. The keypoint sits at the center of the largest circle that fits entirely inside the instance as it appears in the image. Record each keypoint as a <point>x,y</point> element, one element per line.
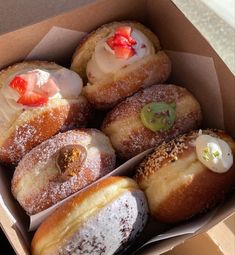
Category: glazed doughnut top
<point>34,87</point>
<point>111,53</point>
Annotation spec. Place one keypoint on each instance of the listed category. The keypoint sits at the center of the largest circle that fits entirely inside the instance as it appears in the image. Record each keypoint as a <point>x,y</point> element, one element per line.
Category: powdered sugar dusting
<point>112,228</point>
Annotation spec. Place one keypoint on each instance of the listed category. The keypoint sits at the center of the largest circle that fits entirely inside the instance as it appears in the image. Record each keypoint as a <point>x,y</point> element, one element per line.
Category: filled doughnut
<point>37,100</point>
<point>149,117</point>
<point>117,60</point>
<point>61,166</point>
<point>101,220</point>
<point>188,175</point>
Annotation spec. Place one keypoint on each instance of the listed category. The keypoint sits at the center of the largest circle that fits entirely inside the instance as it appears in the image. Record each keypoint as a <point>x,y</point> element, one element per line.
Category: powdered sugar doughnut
<point>102,220</point>
<point>61,166</point>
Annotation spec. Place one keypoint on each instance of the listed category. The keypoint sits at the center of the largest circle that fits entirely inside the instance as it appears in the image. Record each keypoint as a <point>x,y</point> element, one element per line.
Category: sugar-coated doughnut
<point>188,175</point>
<point>117,60</point>
<point>37,100</point>
<point>61,166</point>
<point>101,220</point>
<point>149,117</point>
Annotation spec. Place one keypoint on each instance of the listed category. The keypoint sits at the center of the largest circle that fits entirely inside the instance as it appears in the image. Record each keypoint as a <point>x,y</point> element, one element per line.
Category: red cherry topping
<point>19,84</point>
<point>31,98</point>
<point>122,42</point>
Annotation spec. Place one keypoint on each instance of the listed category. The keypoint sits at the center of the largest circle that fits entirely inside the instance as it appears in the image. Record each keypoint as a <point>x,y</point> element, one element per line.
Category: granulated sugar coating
<point>39,178</point>
<point>130,136</point>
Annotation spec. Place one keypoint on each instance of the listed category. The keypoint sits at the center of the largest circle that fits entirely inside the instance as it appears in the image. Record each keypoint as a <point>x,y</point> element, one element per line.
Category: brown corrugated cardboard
<point>176,34</point>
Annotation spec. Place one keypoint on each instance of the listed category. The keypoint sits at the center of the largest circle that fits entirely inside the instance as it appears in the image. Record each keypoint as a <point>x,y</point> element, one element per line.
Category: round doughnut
<point>101,220</point>
<point>115,86</point>
<point>179,183</point>
<point>61,166</point>
<point>137,123</point>
<point>23,127</point>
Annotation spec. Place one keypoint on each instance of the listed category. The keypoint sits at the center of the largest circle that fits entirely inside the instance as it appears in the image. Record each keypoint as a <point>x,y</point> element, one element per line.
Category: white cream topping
<point>42,77</point>
<point>214,153</point>
<point>69,84</point>
<point>104,61</point>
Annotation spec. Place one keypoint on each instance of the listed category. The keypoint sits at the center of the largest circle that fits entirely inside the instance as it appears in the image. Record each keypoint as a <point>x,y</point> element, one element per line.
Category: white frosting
<point>214,153</point>
<point>104,61</point>
<point>69,84</point>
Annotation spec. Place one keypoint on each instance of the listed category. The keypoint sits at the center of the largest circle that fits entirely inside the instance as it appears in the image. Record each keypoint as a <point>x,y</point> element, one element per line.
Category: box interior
<point>206,244</point>
<point>176,33</point>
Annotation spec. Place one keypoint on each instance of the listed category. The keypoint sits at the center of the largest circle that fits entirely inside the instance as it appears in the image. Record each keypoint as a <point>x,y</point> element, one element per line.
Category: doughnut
<point>149,117</point>
<point>188,175</point>
<point>117,60</point>
<point>60,166</point>
<point>37,100</point>
<point>101,220</point>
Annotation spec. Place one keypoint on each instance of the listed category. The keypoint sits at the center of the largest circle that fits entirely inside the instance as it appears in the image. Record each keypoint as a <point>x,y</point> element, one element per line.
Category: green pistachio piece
<point>158,116</point>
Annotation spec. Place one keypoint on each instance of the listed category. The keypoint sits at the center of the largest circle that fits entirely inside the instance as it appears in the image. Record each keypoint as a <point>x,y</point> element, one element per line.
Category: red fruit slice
<point>19,84</point>
<point>124,31</point>
<point>31,98</point>
<point>131,40</point>
<point>124,52</point>
<point>120,40</point>
<point>110,42</point>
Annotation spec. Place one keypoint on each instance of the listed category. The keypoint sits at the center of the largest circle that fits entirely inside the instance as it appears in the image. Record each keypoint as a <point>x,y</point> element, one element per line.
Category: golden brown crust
<point>32,126</point>
<point>204,192</point>
<point>70,229</point>
<point>195,191</point>
<point>95,157</point>
<point>126,81</point>
<point>126,131</point>
<point>52,221</point>
<point>29,131</point>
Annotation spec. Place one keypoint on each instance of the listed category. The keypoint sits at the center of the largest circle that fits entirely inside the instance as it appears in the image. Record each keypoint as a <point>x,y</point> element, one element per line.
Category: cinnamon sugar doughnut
<point>188,175</point>
<point>129,126</point>
<point>61,166</point>
<point>110,79</point>
<point>102,220</point>
<point>37,100</point>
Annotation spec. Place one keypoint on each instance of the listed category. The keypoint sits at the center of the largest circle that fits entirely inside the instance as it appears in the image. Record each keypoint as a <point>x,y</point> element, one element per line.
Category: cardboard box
<point>219,240</point>
<point>195,65</point>
<point>201,244</point>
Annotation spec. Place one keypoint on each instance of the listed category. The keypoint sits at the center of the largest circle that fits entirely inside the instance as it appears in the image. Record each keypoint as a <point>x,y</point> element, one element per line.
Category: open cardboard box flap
<point>200,70</point>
